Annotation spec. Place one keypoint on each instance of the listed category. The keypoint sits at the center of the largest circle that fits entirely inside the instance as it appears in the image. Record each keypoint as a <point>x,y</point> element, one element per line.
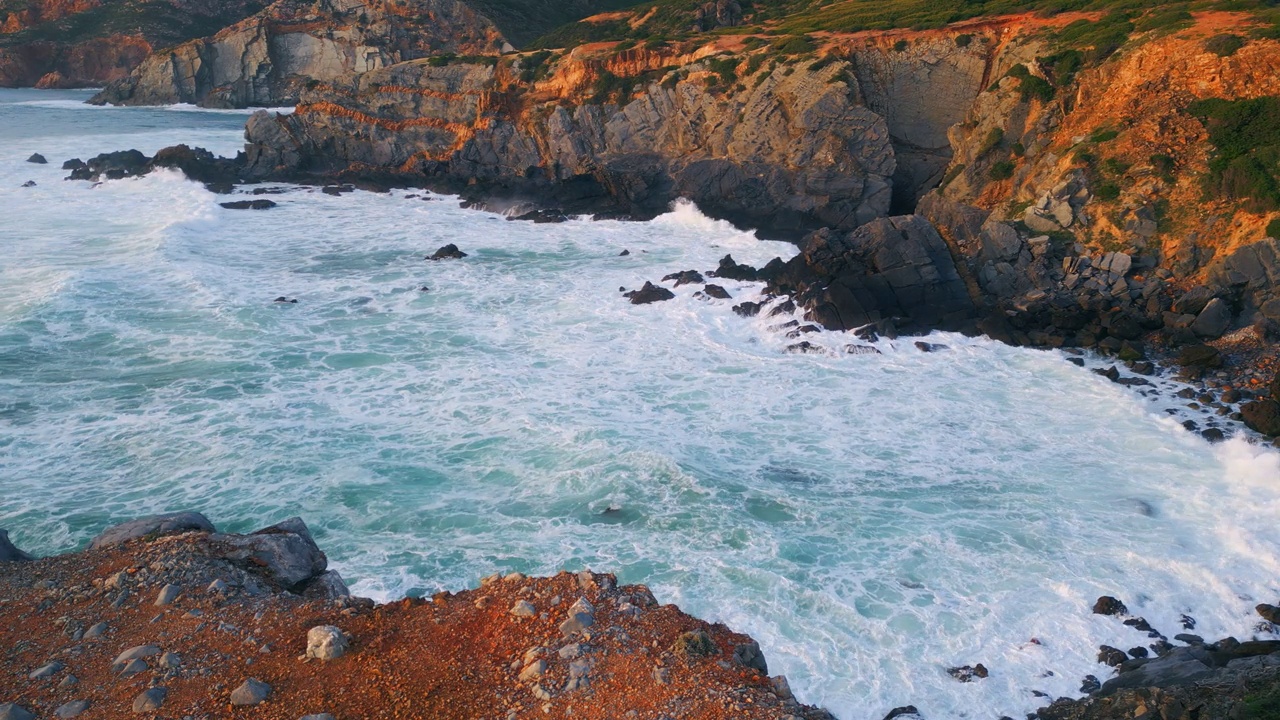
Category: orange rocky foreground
<point>198,624</point>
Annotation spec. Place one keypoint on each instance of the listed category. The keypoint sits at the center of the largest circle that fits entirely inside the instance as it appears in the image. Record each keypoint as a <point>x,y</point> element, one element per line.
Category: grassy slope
<point>159,21</point>
<point>523,20</point>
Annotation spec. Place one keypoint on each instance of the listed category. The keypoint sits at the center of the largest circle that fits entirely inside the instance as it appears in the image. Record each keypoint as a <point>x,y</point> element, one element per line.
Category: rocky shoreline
<point>165,616</point>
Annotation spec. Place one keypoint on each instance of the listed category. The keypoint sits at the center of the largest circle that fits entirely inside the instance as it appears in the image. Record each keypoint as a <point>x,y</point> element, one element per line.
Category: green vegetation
<point>795,45</point>
<point>1002,170</point>
<point>1224,45</point>
<point>1032,87</point>
<point>1246,135</point>
<point>1261,707</point>
<point>964,40</point>
<point>726,68</point>
<point>451,59</point>
<point>901,45</point>
<point>991,141</point>
<point>1164,166</point>
<point>1273,229</point>
<point>1103,135</point>
<point>1107,192</point>
<point>521,21</point>
<point>535,67</point>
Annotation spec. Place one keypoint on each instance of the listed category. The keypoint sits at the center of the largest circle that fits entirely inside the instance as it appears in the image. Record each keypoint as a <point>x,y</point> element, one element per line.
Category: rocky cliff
<point>793,151</point>
<point>268,59</point>
<point>86,43</point>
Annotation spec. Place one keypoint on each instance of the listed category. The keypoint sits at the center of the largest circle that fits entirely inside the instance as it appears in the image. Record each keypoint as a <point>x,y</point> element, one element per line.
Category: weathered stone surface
<point>267,59</point>
<point>71,709</point>
<point>650,293</point>
<point>12,711</point>
<point>284,552</point>
<point>1262,416</point>
<point>1213,321</point>
<point>150,700</point>
<point>890,268</point>
<point>251,692</point>
<point>152,526</point>
<point>326,642</point>
<point>10,553</point>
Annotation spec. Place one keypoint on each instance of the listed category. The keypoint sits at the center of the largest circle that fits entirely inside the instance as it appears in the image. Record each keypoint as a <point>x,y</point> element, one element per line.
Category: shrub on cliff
<point>1246,135</point>
<point>1273,229</point>
<point>1002,170</point>
<point>1224,45</point>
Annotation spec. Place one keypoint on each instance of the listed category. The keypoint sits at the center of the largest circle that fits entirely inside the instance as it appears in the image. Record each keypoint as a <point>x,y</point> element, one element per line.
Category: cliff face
<point>793,152</point>
<point>84,43</point>
<point>267,59</point>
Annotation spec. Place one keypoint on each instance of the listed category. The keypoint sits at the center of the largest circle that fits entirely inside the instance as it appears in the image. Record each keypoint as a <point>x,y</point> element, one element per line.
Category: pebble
<point>170,660</point>
<point>150,700</point>
<point>96,631</point>
<point>250,692</point>
<point>524,608</point>
<point>326,642</point>
<point>570,651</point>
<point>320,716</point>
<point>533,671</point>
<point>68,681</point>
<point>71,709</point>
<point>168,594</point>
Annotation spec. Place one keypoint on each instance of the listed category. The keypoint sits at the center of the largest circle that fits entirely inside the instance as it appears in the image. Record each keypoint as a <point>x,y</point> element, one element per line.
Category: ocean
<point>871,519</point>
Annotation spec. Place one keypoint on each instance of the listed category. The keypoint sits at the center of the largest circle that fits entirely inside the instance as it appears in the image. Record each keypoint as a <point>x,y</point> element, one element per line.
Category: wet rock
<point>137,652</point>
<point>29,184</point>
<point>1213,435</point>
<point>1199,356</point>
<point>9,553</point>
<point>71,709</point>
<point>929,347</point>
<point>1262,416</point>
<point>1078,362</point>
<point>259,204</point>
<point>731,270</point>
<point>250,692</point>
<point>685,277</point>
<point>285,300</point>
<point>624,253</point>
<point>1270,613</point>
<point>1213,321</point>
<point>805,348</point>
<point>150,700</point>
<point>969,673</point>
<point>1138,652</point>
<point>74,164</point>
<point>152,526</point>
<point>749,655</point>
<point>37,159</point>
<point>904,711</point>
<point>747,309</point>
<point>326,642</point>
<point>168,594</point>
<point>10,711</point>
<point>113,166</point>
<point>861,350</point>
<point>650,293</point>
<point>717,292</point>
<point>1090,685</point>
<point>1111,373</point>
<point>695,643</point>
<point>448,252</point>
<point>1108,655</point>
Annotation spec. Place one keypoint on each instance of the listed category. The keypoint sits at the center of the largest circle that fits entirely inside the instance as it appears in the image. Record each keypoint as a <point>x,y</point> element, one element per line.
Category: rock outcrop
<point>269,58</point>
<point>793,153</point>
<point>88,43</point>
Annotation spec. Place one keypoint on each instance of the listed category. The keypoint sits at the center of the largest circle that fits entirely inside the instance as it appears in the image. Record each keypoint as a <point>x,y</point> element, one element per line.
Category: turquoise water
<point>871,520</point>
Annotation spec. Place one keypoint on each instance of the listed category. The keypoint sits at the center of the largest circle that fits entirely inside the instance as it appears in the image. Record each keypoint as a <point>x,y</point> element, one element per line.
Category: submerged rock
<point>448,252</point>
<point>685,277</point>
<point>259,204</point>
<point>37,159</point>
<point>650,293</point>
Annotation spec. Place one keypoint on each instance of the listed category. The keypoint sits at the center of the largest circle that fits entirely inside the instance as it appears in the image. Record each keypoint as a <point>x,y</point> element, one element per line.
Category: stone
<point>695,643</point>
<point>218,586</point>
<point>133,667</point>
<point>576,623</point>
<point>150,700</point>
<point>448,252</point>
<point>171,660</point>
<point>524,609</point>
<point>168,594</point>
<point>152,526</point>
<point>1262,416</point>
<point>96,630</point>
<point>47,670</point>
<point>685,277</point>
<point>1108,655</point>
<point>1213,321</point>
<point>250,692</point>
<point>717,292</point>
<point>1193,301</point>
<point>318,716</point>
<point>650,293</point>
<point>903,711</point>
<point>137,652</point>
<point>749,655</point>
<point>1199,356</point>
<point>9,553</point>
<point>71,709</point>
<point>29,184</point>
<point>11,711</point>
<point>1090,685</point>
<point>1107,605</point>
<point>326,642</point>
<point>68,682</point>
<point>258,204</point>
<point>37,159</point>
<point>747,309</point>
<point>729,269</point>
<point>969,673</point>
<point>284,552</point>
<point>533,671</point>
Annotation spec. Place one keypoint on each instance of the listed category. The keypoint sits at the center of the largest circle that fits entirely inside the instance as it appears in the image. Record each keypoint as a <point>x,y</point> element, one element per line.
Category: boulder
<point>37,159</point>
<point>650,293</point>
<point>259,204</point>
<point>113,166</point>
<point>9,553</point>
<point>717,292</point>
<point>695,643</point>
<point>250,692</point>
<point>685,277</point>
<point>11,711</point>
<point>747,309</point>
<point>150,700</point>
<point>1270,613</point>
<point>749,655</point>
<point>283,552</point>
<point>448,252</point>
<point>198,164</point>
<point>1262,416</point>
<point>152,526</point>
<point>1107,605</point>
<point>1199,356</point>
<point>732,270</point>
<point>969,673</point>
<point>1213,320</point>
<point>326,642</point>
<point>1193,301</point>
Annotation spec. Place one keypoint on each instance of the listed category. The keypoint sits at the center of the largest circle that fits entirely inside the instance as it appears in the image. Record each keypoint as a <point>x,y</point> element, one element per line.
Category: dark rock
<point>9,553</point>
<point>152,526</point>
<point>748,655</point>
<point>889,268</point>
<point>1189,639</point>
<point>650,293</point>
<point>74,164</point>
<point>805,348</point>
<point>624,253</point>
<point>285,300</point>
<point>861,350</point>
<point>1078,362</point>
<point>1262,416</point>
<point>731,270</point>
<point>717,292</point>
<point>259,204</point>
<point>1125,327</point>
<point>1270,613</point>
<point>11,711</point>
<point>1213,435</point>
<point>37,159</point>
<point>337,190</point>
<point>685,277</point>
<point>1090,685</point>
<point>1200,356</point>
<point>1193,301</point>
<point>902,712</point>
<point>786,307</point>
<point>1188,622</point>
<point>541,217</point>
<point>448,252</point>
<point>1107,605</point>
<point>113,166</point>
<point>968,673</point>
<point>1111,373</point>
<point>283,552</point>
<point>929,347</point>
<point>1144,368</point>
<point>1138,652</point>
<point>199,165</point>
<point>29,184</point>
<point>1111,656</point>
<point>1131,382</point>
<point>1139,624</point>
<point>747,309</point>
<point>1213,321</point>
